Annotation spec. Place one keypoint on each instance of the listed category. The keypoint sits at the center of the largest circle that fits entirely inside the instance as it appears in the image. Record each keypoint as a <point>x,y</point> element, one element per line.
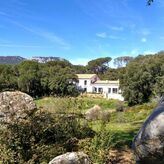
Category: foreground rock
<point>15,105</point>
<point>149,143</point>
<point>71,158</point>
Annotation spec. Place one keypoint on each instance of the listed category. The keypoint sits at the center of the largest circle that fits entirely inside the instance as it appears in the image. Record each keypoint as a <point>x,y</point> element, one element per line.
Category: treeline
<point>36,79</point>
<point>56,78</point>
<point>141,78</point>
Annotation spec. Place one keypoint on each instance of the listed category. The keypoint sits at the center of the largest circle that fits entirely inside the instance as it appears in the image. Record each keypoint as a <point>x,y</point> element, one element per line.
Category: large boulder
<point>148,145</point>
<point>15,105</point>
<point>93,113</point>
<point>96,113</point>
<point>71,158</point>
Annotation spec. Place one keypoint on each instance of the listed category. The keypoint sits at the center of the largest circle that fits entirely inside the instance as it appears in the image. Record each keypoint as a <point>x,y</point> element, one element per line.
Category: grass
<point>117,133</point>
<point>81,103</point>
<point>124,124</point>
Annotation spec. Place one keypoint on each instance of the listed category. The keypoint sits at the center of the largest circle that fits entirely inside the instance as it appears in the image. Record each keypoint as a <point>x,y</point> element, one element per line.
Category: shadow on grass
<point>123,139</point>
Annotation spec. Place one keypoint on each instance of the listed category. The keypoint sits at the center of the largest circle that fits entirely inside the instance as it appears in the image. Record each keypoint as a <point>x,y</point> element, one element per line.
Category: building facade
<point>90,83</point>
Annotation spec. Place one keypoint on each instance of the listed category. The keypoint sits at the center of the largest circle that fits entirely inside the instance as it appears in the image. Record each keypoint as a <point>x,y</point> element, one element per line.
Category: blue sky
<point>81,30</point>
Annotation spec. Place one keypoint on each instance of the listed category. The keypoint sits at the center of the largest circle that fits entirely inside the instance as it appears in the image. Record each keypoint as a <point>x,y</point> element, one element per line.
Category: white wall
<point>88,85</point>
<point>106,93</point>
<point>116,96</point>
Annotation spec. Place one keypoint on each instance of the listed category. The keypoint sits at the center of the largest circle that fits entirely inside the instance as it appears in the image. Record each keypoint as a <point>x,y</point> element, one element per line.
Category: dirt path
<point>124,156</point>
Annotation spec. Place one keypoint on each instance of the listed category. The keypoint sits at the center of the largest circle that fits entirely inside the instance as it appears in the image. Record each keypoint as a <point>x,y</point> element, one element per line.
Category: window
<point>115,90</point>
<point>85,82</point>
<point>85,89</point>
<point>100,90</point>
<point>109,90</point>
<point>95,89</point>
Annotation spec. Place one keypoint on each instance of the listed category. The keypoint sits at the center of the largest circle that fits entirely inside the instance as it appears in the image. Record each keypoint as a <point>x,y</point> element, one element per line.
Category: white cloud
<point>101,35</point>
<point>80,61</point>
<point>134,52</point>
<point>143,40</point>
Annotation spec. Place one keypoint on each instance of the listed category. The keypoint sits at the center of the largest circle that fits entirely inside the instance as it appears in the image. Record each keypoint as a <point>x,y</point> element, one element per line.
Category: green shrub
<point>98,147</point>
<point>41,137</point>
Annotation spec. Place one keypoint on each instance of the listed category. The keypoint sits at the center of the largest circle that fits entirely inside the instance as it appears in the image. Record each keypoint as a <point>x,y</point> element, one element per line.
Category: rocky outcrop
<point>148,145</point>
<point>71,158</point>
<point>15,105</point>
<point>11,59</point>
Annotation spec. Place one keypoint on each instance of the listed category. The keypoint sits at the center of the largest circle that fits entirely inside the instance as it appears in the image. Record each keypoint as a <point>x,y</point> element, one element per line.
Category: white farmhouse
<point>86,81</point>
<point>91,83</point>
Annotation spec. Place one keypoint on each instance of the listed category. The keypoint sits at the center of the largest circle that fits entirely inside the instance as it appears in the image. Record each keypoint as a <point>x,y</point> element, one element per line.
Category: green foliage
<point>99,65</point>
<point>122,61</point>
<point>101,144</point>
<point>29,78</point>
<point>36,79</point>
<point>8,79</point>
<point>149,2</point>
<point>41,137</point>
<point>143,78</point>
<point>59,127</point>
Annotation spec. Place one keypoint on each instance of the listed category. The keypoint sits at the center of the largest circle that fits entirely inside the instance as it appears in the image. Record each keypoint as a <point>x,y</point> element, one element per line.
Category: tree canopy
<point>122,61</point>
<point>99,65</point>
<point>143,78</point>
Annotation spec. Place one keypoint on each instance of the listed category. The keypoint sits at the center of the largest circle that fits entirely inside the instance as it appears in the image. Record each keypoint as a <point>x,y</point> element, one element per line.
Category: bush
<point>41,137</point>
<point>98,147</point>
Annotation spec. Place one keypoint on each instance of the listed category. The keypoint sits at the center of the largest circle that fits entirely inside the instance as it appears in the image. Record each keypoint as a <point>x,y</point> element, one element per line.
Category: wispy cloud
<point>116,37</point>
<point>160,3</point>
<point>105,35</point>
<point>21,46</point>
<point>116,28</point>
<point>145,32</point>
<point>161,37</point>
<point>143,40</point>
<point>54,38</point>
<point>19,2</point>
<point>50,36</point>
<point>101,35</point>
<point>2,13</point>
<point>113,37</point>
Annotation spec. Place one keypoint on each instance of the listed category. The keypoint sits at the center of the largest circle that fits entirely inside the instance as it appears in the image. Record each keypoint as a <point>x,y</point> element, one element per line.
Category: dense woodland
<point>141,78</point>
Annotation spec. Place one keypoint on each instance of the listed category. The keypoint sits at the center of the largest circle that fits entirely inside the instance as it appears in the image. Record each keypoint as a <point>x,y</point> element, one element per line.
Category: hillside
<point>11,59</point>
<point>18,59</point>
